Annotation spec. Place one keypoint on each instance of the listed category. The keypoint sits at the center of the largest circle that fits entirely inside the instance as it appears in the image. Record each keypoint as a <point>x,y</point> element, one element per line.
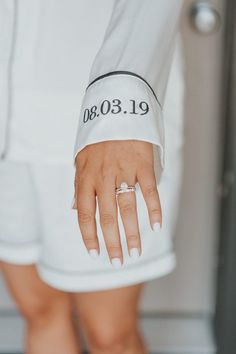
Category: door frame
<point>225,314</point>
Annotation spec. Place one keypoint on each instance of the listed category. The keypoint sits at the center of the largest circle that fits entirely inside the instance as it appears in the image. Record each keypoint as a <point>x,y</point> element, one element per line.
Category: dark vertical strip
<point>225,316</point>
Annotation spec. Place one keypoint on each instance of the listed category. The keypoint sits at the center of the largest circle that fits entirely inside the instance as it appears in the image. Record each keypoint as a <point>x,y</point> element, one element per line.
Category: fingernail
<point>116,262</point>
<point>93,253</point>
<point>134,253</point>
<point>156,226</point>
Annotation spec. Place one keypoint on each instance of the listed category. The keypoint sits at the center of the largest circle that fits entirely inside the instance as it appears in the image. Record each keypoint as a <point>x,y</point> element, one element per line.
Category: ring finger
<point>128,211</point>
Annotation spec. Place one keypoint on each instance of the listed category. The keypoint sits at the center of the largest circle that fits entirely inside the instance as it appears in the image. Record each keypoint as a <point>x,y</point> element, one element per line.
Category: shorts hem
<point>19,254</point>
<point>73,282</point>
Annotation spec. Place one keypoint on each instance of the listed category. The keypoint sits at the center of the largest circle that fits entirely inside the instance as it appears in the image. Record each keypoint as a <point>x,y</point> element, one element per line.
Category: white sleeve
<point>129,75</point>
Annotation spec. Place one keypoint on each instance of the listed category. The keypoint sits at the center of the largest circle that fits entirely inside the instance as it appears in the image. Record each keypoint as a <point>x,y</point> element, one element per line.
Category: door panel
<point>190,288</point>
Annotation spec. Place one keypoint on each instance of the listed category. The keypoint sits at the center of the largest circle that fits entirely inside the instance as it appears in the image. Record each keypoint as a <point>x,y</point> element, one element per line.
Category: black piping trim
<point>124,72</point>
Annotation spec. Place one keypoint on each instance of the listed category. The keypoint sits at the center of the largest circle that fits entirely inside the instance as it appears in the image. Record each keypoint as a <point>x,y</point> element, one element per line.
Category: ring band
<point>124,188</point>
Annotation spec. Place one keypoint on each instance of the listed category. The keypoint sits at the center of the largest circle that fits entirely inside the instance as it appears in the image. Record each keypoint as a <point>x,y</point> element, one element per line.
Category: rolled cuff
<point>120,107</point>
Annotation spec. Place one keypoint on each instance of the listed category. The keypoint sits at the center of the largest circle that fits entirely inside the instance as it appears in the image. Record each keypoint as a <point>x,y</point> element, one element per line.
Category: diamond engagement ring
<point>123,188</point>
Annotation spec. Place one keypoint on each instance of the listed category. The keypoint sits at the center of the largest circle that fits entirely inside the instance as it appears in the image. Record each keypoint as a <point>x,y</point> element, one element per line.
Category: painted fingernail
<point>156,226</point>
<point>116,262</point>
<point>93,253</point>
<point>134,253</point>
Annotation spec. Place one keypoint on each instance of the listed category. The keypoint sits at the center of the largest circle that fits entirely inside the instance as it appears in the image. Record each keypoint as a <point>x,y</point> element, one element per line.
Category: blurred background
<point>193,309</point>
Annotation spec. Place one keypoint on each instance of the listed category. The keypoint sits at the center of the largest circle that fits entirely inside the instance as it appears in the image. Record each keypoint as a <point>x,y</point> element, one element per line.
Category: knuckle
<point>132,238</point>
<point>78,181</point>
<point>106,172</point>
<point>156,211</point>
<point>88,238</point>
<point>80,170</point>
<point>90,242</point>
<point>150,191</point>
<point>107,219</point>
<point>81,159</point>
<point>121,169</point>
<point>85,216</point>
<point>126,207</point>
<point>114,249</point>
<point>83,176</point>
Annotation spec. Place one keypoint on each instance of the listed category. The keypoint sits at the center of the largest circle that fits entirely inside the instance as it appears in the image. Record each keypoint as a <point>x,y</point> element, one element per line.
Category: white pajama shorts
<point>38,225</point>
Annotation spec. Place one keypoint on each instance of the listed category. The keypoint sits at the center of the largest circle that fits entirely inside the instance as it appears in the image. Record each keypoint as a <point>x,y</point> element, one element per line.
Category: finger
<point>109,220</point>
<point>77,180</point>
<point>148,185</point>
<point>74,200</point>
<point>128,211</point>
<point>86,209</point>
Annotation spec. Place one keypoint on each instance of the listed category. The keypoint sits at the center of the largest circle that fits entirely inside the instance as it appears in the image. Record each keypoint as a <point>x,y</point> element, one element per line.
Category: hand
<point>102,167</point>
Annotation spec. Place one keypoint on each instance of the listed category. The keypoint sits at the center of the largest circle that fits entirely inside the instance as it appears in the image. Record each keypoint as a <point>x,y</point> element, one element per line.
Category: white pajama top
<point>73,73</point>
<point>78,72</point>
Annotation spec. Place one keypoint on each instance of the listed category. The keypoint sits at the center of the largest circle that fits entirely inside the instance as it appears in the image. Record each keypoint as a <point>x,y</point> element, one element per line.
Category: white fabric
<point>114,93</point>
<point>51,50</point>
<point>37,224</point>
<point>140,39</point>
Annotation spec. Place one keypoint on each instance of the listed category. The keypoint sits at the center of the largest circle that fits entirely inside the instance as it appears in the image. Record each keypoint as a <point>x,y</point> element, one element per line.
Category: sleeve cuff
<point>120,107</point>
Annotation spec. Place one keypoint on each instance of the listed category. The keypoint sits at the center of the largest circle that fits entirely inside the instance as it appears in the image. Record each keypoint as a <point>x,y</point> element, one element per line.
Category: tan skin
<point>108,329</point>
<point>102,167</point>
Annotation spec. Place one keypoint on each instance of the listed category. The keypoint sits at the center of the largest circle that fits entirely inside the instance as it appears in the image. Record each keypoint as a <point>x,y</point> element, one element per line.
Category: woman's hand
<point>102,167</point>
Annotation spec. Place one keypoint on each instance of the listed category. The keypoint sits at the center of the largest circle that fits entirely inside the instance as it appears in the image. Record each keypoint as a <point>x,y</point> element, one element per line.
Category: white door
<point>189,291</point>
